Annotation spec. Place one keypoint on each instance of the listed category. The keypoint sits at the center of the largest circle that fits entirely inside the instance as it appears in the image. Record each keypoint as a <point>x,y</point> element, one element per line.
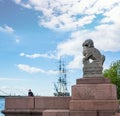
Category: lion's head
<point>88,43</point>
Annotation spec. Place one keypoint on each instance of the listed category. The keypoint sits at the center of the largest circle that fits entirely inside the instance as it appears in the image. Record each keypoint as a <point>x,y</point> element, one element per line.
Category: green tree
<point>113,73</point>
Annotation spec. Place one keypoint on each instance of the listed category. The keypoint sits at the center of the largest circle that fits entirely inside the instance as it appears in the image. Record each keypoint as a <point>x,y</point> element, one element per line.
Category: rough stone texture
<point>34,106</point>
<point>106,113</point>
<point>117,114</point>
<point>94,92</point>
<point>19,103</point>
<point>83,113</point>
<point>92,68</point>
<point>52,102</point>
<point>23,112</point>
<point>92,113</point>
<point>76,105</point>
<point>93,80</point>
<point>56,113</point>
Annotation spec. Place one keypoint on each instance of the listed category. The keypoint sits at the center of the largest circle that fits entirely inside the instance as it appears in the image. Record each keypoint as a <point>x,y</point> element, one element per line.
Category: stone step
<point>93,80</point>
<point>92,113</point>
<point>117,114</point>
<point>55,112</point>
<point>83,113</point>
<point>97,105</point>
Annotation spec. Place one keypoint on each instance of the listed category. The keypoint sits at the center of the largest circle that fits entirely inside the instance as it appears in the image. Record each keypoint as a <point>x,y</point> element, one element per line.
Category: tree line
<point>113,73</point>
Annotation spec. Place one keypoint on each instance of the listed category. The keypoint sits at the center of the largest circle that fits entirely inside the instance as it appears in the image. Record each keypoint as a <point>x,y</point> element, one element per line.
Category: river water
<point>2,104</point>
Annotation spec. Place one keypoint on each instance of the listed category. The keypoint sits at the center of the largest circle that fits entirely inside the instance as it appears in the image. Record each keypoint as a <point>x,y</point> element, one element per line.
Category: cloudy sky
<point>34,34</point>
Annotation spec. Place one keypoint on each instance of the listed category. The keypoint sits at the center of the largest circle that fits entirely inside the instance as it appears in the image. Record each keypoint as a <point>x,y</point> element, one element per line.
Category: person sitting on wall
<point>30,93</point>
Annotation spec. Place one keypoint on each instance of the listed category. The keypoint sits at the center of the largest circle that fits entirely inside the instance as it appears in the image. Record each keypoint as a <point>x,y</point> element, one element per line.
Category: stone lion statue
<point>90,52</point>
<point>93,60</point>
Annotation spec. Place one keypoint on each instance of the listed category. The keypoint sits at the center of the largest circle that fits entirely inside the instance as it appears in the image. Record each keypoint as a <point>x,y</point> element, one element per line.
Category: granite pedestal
<point>93,96</point>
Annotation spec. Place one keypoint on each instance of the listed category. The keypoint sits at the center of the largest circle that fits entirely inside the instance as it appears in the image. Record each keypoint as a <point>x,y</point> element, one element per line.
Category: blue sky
<point>34,34</point>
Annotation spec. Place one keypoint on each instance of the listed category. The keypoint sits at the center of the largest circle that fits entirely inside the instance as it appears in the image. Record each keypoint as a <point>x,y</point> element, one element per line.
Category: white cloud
<point>75,63</point>
<point>6,29</point>
<point>17,40</point>
<point>10,79</point>
<point>105,37</point>
<point>70,47</point>
<point>101,17</point>
<point>9,30</point>
<point>113,15</point>
<point>36,55</point>
<point>71,14</point>
<point>52,72</point>
<point>26,5</point>
<point>30,69</point>
<point>18,1</point>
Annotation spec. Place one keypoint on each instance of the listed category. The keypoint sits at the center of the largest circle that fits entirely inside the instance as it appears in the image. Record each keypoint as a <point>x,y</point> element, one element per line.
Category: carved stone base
<point>93,80</point>
<point>93,96</point>
<point>93,69</point>
<point>94,92</point>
